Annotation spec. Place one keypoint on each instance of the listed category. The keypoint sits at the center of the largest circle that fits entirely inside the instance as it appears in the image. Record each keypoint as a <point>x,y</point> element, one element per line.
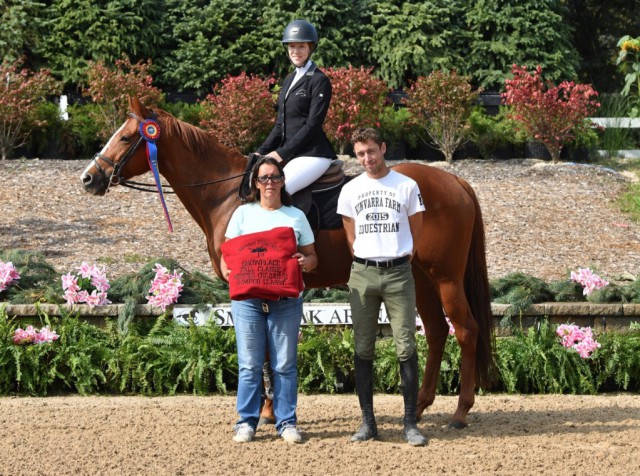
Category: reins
<point>116,167</point>
<point>149,131</point>
<point>151,187</point>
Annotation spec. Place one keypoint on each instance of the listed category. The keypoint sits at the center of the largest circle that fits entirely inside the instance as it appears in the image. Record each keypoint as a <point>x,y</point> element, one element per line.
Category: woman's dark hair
<point>254,193</point>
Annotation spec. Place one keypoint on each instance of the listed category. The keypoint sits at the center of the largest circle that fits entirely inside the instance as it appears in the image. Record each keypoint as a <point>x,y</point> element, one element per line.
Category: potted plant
<point>552,115</point>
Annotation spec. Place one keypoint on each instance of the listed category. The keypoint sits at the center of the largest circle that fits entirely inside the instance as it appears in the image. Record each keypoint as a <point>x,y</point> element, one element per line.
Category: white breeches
<point>303,171</point>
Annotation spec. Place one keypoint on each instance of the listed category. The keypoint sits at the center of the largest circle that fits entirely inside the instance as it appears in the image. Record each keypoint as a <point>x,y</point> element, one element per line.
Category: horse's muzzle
<point>94,183</point>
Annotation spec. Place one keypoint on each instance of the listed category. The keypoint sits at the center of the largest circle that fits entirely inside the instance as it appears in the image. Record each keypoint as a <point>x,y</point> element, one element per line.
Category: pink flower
<point>89,286</point>
<point>165,287</point>
<point>588,280</point>
<point>8,275</point>
<point>33,336</point>
<point>578,338</point>
<point>70,282</point>
<point>100,282</point>
<point>96,298</point>
<point>86,271</point>
<point>25,336</point>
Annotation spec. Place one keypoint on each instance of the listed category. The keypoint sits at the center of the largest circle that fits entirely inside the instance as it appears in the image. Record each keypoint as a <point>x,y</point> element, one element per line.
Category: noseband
<point>116,167</point>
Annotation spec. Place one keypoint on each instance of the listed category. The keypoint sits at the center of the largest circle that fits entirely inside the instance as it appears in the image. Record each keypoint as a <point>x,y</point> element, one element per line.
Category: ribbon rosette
<point>150,130</point>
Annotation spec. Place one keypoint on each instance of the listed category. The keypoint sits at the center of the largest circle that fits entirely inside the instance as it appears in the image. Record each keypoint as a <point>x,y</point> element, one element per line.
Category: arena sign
<point>316,314</point>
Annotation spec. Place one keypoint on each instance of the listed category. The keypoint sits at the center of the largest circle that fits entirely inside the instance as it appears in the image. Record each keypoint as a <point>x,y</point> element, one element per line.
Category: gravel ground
<point>540,219</point>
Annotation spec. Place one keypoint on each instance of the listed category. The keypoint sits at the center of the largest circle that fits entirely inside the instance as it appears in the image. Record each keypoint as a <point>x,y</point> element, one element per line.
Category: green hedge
<point>161,357</point>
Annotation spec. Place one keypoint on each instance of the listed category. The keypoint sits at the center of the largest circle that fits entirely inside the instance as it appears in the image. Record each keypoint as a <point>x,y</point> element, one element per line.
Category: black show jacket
<point>301,113</point>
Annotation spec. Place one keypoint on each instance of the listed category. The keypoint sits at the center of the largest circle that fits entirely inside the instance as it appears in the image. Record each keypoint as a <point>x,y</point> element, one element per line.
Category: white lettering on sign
<point>312,314</point>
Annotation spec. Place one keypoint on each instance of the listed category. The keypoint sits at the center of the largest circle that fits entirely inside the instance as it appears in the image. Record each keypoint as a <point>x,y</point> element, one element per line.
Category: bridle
<point>116,169</point>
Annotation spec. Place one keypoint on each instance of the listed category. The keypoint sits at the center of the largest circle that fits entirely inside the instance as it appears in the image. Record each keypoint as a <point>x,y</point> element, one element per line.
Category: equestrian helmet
<point>300,31</point>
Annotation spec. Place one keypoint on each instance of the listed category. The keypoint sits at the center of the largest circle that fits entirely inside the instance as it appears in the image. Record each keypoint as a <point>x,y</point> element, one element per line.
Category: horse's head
<point>122,157</point>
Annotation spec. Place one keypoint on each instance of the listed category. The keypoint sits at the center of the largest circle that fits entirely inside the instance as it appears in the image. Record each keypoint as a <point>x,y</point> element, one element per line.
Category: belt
<point>382,264</point>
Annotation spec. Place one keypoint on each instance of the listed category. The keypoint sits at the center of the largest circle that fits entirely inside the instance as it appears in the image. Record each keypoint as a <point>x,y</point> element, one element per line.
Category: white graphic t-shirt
<point>381,209</point>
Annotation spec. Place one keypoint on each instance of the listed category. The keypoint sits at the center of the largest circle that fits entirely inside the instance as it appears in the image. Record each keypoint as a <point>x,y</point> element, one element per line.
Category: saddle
<point>318,201</point>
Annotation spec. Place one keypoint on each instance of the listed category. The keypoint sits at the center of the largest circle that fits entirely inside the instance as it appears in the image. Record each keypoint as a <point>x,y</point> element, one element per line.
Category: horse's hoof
<point>457,425</point>
<point>266,421</point>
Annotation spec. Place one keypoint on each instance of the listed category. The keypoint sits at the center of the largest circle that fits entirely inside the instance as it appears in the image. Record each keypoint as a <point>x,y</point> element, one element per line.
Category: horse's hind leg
<point>436,330</point>
<point>457,308</point>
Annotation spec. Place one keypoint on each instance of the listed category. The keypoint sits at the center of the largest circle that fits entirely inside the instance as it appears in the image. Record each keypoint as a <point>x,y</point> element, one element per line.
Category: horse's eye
<point>125,139</point>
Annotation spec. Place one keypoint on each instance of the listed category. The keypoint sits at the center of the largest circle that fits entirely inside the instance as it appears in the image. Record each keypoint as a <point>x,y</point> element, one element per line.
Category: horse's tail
<point>476,287</point>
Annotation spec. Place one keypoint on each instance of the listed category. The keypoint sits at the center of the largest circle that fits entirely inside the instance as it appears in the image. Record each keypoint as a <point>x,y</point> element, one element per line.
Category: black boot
<point>409,376</point>
<point>364,386</point>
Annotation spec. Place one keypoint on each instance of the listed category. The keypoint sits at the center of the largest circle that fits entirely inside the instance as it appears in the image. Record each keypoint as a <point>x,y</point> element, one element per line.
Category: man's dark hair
<point>363,134</point>
<point>254,193</point>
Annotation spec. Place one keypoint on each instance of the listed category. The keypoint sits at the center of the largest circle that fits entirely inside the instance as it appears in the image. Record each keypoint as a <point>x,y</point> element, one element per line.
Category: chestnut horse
<point>449,265</point>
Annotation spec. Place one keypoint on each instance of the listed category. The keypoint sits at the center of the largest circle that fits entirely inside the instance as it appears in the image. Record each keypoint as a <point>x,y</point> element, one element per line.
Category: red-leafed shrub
<point>553,115</point>
<point>358,100</point>
<point>110,87</point>
<point>441,104</point>
<point>21,91</point>
<point>240,112</point>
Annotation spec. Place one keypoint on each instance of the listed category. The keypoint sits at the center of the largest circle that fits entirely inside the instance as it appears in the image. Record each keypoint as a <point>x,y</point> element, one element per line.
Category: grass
<point>629,201</point>
<point>135,258</point>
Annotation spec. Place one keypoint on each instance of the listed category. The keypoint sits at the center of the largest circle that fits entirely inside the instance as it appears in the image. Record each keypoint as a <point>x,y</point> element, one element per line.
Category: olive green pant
<point>369,287</point>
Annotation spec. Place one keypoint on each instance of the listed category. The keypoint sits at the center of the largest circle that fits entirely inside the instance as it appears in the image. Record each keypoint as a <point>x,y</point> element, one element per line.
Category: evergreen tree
<point>211,39</point>
<point>413,38</point>
<point>82,30</point>
<point>22,25</point>
<point>507,32</point>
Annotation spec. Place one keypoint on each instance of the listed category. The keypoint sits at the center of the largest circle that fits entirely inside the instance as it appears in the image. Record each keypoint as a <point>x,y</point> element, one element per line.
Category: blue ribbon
<point>152,157</point>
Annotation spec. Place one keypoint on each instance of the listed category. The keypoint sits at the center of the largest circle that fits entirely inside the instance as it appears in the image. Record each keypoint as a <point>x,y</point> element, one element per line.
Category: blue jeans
<point>257,331</point>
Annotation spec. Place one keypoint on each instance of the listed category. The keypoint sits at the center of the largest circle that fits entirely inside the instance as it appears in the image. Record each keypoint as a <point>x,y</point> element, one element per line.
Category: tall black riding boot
<point>409,376</point>
<point>364,386</point>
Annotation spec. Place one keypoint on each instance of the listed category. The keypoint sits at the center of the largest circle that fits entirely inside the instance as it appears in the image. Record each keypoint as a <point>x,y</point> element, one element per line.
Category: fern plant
<point>534,362</point>
<point>81,355</point>
<point>325,359</point>
<point>618,363</point>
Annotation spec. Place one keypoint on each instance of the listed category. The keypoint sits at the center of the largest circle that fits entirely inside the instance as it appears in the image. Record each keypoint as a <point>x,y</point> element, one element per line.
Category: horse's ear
<point>137,108</point>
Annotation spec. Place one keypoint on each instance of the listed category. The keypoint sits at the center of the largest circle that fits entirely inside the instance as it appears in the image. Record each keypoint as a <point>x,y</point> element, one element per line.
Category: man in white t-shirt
<point>382,216</point>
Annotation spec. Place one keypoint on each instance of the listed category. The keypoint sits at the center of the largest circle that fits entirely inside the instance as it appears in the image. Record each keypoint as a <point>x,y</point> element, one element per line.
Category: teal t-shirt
<point>252,218</point>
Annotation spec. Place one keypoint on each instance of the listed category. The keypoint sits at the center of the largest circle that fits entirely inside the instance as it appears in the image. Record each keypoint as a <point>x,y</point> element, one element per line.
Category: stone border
<point>31,310</point>
<point>599,316</point>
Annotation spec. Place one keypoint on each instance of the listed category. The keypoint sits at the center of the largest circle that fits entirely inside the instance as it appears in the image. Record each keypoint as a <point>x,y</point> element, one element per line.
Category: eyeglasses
<point>263,179</point>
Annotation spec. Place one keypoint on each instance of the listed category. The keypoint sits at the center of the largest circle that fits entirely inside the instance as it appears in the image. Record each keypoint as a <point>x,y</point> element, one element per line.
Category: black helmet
<point>300,31</point>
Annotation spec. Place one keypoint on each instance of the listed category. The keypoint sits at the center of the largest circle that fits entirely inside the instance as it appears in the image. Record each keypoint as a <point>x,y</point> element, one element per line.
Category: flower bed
<point>158,356</point>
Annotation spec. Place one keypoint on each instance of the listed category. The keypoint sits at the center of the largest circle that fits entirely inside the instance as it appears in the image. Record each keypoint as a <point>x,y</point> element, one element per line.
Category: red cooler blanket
<point>262,265</point>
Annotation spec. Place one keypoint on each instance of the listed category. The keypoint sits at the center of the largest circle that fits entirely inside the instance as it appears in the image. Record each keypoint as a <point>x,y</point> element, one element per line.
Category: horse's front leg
<point>457,308</point>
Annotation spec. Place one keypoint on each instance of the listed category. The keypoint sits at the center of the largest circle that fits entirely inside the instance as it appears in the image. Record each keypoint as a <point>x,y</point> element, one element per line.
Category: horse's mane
<point>198,141</point>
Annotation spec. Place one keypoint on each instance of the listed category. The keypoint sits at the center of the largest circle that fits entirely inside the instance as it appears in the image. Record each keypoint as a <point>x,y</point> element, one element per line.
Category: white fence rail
<point>622,123</point>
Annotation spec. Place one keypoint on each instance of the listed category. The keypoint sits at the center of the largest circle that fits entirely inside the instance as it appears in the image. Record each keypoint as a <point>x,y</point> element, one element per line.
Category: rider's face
<point>299,53</point>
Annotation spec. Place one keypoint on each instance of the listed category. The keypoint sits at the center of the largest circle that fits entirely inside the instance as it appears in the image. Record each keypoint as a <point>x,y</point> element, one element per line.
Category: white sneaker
<point>290,434</point>
<point>243,433</point>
